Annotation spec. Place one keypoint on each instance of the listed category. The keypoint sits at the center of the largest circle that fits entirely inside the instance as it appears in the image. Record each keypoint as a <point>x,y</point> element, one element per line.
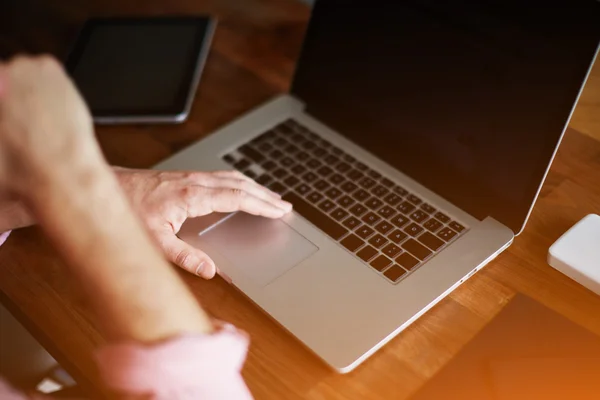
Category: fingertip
<point>206,269</point>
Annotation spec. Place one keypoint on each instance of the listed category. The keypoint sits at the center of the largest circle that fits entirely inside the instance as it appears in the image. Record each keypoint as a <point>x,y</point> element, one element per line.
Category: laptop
<point>413,144</point>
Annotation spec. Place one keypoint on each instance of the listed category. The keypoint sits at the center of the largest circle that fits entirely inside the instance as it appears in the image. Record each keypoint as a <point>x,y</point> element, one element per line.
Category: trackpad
<point>263,249</point>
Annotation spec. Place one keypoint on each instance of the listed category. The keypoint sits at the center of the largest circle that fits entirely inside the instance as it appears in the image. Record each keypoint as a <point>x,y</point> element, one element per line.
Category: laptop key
<point>381,263</point>
<point>397,236</point>
<point>432,225</point>
<point>399,220</point>
<point>416,249</point>
<point>387,183</point>
<point>291,149</point>
<point>298,169</point>
<point>351,223</point>
<point>302,156</point>
<point>447,234</point>
<point>374,203</point>
<point>365,231</point>
<point>374,174</point>
<point>313,163</point>
<point>291,181</point>
<point>378,241</point>
<point>331,160</point>
<point>367,182</point>
<point>343,167</point>
<point>280,142</point>
<point>269,165</point>
<point>287,162</point>
<point>358,210</point>
<point>407,261</point>
<point>352,242</point>
<point>361,195</point>
<point>339,214</point>
<point>413,229</point>
<point>336,179</point>
<point>349,158</point>
<point>355,175</point>
<point>276,154</point>
<point>442,217</point>
<point>280,173</point>
<point>333,193</point>
<point>431,241</point>
<point>384,227</point>
<point>394,273</point>
<point>400,190</point>
<point>303,189</point>
<point>265,147</point>
<point>315,197</point>
<point>406,207</point>
<point>278,187</point>
<point>349,187</point>
<point>319,152</point>
<point>327,205</point>
<point>386,212</point>
<point>310,177</point>
<point>371,218</point>
<point>321,185</point>
<point>229,159</point>
<point>252,154</point>
<point>316,217</point>
<point>379,191</point>
<point>308,145</point>
<point>242,164</point>
<point>419,216</point>
<point>324,171</point>
<point>336,151</point>
<point>250,174</point>
<point>346,201</point>
<point>360,166</point>
<point>456,226</point>
<point>367,253</point>
<point>427,208</point>
<point>391,250</point>
<point>392,199</point>
<point>264,179</point>
<point>414,199</point>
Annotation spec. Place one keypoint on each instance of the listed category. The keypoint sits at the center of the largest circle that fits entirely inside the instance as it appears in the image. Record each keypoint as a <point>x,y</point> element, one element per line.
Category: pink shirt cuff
<point>204,367</point>
<point>3,237</point>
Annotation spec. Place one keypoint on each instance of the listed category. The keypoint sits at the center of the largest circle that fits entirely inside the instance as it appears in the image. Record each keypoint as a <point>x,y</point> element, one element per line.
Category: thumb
<point>187,257</point>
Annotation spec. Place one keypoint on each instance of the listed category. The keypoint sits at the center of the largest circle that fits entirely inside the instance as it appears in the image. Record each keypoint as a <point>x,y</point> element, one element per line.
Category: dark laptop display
<point>469,98</point>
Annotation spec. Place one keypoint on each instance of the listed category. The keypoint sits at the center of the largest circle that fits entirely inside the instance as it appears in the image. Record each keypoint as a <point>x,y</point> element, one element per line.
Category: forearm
<point>135,291</point>
<point>14,214</point>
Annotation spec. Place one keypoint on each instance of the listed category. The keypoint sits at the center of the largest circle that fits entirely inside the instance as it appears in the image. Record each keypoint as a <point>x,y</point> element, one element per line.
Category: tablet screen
<point>138,66</point>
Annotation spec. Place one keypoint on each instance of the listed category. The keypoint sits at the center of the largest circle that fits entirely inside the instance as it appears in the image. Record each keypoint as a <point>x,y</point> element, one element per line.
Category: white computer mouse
<point>577,253</point>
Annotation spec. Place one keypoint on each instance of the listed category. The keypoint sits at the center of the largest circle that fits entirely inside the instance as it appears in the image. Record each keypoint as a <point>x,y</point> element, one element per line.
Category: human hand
<point>164,200</point>
<point>45,127</point>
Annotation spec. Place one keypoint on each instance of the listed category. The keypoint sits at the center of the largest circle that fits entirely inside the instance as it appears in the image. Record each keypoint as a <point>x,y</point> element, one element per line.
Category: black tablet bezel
<point>188,84</point>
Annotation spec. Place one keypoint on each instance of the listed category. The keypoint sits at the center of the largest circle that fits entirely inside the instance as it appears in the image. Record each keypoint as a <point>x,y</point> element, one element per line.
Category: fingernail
<point>287,206</point>
<point>200,268</point>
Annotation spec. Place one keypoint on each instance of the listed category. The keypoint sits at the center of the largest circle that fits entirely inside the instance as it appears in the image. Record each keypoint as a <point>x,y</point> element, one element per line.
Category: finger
<point>186,256</point>
<point>238,175</point>
<point>225,200</point>
<point>250,187</point>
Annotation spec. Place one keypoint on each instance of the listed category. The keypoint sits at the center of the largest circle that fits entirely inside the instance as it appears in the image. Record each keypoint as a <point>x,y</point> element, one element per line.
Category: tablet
<point>140,70</point>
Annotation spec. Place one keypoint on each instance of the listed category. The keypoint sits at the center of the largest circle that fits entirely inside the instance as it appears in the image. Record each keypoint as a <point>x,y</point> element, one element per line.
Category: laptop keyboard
<point>390,229</point>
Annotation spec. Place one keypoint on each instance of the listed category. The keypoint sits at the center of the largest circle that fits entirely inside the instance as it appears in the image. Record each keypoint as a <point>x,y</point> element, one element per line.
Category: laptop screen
<point>469,98</point>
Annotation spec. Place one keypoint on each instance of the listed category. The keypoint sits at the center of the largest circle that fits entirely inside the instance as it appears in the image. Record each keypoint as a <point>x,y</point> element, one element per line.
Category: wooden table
<point>252,59</point>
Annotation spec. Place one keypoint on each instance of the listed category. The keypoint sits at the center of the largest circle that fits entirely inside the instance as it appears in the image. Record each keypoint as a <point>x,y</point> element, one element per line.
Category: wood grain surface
<point>252,59</point>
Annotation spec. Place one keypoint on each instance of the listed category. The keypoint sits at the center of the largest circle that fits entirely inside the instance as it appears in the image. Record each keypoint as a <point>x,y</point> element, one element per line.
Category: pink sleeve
<point>3,237</point>
<point>8,393</point>
<point>192,367</point>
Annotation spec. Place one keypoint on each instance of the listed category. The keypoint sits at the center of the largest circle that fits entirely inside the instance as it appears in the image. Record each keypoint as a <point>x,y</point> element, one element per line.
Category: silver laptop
<point>413,145</point>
